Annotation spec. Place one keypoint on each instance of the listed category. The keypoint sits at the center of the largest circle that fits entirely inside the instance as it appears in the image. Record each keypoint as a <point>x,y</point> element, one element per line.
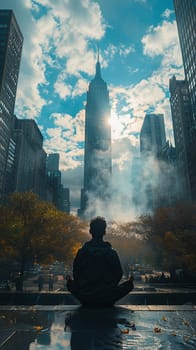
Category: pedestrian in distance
<point>50,284</point>
<point>40,283</point>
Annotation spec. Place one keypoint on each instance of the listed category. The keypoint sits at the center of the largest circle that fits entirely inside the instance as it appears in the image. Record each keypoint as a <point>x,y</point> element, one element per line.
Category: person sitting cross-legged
<point>97,271</point>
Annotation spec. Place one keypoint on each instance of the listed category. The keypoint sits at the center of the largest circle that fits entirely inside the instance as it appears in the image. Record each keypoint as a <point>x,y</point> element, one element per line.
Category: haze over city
<point>97,250</point>
<point>139,53</point>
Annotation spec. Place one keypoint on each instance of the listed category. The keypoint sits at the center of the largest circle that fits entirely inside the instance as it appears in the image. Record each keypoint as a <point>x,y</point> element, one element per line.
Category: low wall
<point>160,298</point>
<point>65,298</point>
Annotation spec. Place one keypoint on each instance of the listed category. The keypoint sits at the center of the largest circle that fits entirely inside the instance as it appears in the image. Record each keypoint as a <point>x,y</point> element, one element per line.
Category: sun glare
<point>116,126</point>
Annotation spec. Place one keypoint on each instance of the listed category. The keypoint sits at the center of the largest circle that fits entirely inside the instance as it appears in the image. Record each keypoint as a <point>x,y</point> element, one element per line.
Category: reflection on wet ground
<point>114,328</point>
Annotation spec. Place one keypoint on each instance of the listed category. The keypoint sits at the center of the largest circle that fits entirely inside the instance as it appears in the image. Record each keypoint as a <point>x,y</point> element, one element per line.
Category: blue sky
<point>139,52</point>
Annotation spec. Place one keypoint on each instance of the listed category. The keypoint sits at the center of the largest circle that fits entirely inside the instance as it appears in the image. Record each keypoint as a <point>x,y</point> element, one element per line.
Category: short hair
<point>98,226</point>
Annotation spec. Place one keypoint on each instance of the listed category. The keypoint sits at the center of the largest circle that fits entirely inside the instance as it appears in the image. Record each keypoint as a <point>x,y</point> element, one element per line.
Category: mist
<point>138,186</point>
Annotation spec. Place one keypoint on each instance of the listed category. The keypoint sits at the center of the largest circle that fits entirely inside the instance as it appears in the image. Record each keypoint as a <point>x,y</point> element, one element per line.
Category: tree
<point>172,232</point>
<point>31,227</point>
<point>130,241</point>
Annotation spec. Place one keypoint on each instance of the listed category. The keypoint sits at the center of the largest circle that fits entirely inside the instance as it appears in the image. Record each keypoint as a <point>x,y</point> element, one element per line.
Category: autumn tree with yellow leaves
<point>172,233</point>
<point>132,244</point>
<point>30,227</point>
<point>166,239</point>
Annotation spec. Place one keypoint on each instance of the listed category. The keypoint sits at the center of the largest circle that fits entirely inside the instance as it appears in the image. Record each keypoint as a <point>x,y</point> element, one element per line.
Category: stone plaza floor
<point>71,327</point>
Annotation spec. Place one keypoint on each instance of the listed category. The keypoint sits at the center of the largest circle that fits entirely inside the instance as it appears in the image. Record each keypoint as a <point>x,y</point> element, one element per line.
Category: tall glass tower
<point>182,119</point>
<point>185,11</point>
<point>152,135</point>
<point>97,156</point>
<point>152,141</point>
<point>11,41</point>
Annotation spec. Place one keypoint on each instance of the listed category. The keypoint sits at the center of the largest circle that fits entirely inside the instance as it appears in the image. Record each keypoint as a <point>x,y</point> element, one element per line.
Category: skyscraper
<point>53,177</point>
<point>182,126</point>
<point>30,158</point>
<point>97,157</point>
<point>152,141</point>
<point>11,41</point>
<point>64,204</point>
<point>152,135</point>
<point>56,192</point>
<point>53,161</point>
<point>185,11</point>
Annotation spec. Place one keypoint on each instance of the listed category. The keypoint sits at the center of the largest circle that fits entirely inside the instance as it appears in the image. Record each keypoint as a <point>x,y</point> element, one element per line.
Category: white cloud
<point>32,72</point>
<point>167,13</point>
<point>129,104</point>
<point>141,1</point>
<point>65,27</point>
<point>62,89</point>
<point>65,138</point>
<point>80,88</point>
<point>71,127</point>
<point>136,100</point>
<point>143,95</point>
<point>133,70</point>
<point>150,93</point>
<point>124,51</point>
<point>74,21</point>
<point>121,50</point>
<point>80,62</point>
<point>161,40</point>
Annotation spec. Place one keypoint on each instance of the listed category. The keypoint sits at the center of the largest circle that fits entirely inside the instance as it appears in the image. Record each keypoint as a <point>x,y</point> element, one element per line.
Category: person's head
<point>98,227</point>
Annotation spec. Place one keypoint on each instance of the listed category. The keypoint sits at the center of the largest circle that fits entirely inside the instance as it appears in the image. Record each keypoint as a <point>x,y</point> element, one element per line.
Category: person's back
<point>96,269</point>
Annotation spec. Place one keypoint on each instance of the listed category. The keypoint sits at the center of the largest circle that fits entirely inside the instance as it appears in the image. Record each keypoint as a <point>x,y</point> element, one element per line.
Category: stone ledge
<point>65,298</point>
<point>73,307</point>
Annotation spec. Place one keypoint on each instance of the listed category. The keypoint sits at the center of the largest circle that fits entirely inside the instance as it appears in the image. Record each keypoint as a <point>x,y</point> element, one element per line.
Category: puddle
<point>85,329</point>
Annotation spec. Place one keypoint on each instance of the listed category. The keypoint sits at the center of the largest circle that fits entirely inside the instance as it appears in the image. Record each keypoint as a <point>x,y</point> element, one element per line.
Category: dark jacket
<point>96,267</point>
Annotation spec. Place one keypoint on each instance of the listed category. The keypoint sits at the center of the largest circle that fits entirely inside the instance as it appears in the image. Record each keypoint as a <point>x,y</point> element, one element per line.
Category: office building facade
<point>185,11</point>
<point>64,199</point>
<point>169,186</point>
<point>52,162</point>
<point>56,192</point>
<point>97,156</point>
<point>53,178</point>
<point>11,41</point>
<point>30,159</point>
<point>152,134</point>
<point>152,141</point>
<point>182,125</point>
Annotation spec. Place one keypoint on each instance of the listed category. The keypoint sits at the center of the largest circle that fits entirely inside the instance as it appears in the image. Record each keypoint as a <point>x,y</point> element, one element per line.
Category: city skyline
<point>139,52</point>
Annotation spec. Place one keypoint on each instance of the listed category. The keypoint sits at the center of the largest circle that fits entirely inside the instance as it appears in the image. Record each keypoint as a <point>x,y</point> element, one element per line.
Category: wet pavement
<point>71,327</point>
